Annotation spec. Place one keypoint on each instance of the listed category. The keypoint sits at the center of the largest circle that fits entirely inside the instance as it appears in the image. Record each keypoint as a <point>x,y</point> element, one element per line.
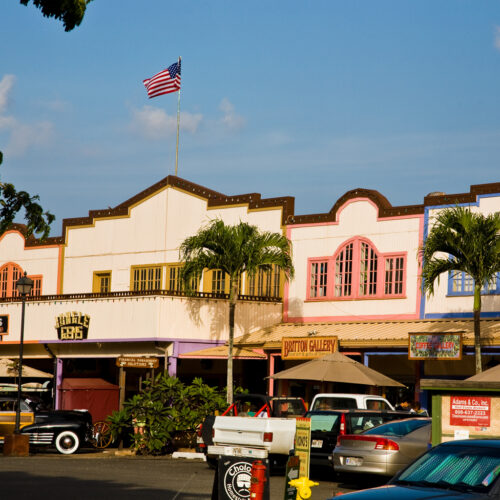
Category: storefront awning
<point>371,334</point>
<point>221,352</point>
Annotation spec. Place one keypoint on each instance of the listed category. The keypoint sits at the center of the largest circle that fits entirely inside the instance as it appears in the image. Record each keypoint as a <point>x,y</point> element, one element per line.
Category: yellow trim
<point>146,266</point>
<point>96,280</point>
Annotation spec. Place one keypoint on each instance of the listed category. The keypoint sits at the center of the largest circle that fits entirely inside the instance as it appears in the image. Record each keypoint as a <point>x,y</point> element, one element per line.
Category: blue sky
<point>302,98</point>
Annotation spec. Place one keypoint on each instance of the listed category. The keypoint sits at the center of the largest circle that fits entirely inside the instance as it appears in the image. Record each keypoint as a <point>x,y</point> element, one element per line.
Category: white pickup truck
<point>254,437</point>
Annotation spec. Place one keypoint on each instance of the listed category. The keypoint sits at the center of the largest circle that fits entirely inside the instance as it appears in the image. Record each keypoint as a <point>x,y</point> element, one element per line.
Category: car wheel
<point>67,442</point>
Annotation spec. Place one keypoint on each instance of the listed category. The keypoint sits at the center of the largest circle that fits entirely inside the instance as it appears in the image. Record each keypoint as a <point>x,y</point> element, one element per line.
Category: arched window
<point>359,271</point>
<point>9,274</point>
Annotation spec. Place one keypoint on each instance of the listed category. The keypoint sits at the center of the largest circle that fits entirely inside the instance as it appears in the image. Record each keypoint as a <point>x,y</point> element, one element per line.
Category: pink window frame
<point>319,260</point>
<point>8,285</point>
<point>356,272</point>
<point>386,257</point>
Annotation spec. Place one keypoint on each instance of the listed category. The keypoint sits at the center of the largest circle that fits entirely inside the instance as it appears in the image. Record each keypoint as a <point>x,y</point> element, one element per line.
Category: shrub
<point>168,413</point>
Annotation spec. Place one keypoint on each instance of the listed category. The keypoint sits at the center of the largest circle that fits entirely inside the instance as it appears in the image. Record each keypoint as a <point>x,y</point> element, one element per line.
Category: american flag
<point>166,81</point>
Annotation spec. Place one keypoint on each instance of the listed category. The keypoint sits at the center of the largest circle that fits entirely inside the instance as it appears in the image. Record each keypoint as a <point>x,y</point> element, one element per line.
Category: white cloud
<point>21,136</point>
<point>231,119</point>
<point>6,84</point>
<point>155,123</point>
<point>497,38</point>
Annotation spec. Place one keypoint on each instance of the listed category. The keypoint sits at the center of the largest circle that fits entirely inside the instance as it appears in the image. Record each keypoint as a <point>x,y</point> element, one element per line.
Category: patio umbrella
<point>7,370</point>
<point>491,375</point>
<point>336,367</point>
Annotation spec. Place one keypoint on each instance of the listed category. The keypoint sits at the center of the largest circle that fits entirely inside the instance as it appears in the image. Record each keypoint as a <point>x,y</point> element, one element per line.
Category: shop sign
<point>470,411</point>
<point>4,323</point>
<point>435,346</point>
<point>233,478</point>
<point>72,326</point>
<point>308,347</point>
<point>137,362</point>
<point>303,444</point>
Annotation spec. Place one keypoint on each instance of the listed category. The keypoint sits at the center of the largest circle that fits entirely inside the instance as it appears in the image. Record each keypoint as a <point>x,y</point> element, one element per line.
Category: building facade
<point>109,286</point>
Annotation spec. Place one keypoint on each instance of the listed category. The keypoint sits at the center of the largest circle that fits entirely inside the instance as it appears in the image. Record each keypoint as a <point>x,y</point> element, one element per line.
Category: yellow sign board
<point>303,444</point>
<point>308,347</point>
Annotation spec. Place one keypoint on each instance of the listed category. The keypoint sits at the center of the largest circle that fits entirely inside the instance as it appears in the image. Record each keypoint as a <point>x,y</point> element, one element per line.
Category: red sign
<point>470,410</point>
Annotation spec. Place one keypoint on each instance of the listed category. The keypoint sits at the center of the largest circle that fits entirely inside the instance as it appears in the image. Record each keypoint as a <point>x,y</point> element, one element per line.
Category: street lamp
<point>24,286</point>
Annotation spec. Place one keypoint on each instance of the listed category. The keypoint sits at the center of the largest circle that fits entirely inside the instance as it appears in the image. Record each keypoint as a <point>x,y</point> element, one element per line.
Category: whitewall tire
<point>67,442</point>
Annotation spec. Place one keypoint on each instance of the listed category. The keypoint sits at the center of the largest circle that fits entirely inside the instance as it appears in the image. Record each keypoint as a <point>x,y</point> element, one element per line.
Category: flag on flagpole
<point>164,82</point>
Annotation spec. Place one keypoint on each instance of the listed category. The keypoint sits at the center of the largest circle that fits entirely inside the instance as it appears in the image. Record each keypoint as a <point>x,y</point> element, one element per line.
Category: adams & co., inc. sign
<point>72,326</point>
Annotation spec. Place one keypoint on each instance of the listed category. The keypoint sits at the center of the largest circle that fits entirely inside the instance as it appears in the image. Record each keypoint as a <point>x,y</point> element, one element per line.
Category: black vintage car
<point>67,430</point>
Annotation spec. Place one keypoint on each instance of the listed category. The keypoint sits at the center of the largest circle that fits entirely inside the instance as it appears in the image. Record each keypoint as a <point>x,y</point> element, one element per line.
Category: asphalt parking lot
<point>104,476</point>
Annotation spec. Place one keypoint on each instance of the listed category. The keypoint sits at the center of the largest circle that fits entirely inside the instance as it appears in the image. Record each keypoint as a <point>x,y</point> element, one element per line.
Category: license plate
<point>353,461</point>
<point>317,443</point>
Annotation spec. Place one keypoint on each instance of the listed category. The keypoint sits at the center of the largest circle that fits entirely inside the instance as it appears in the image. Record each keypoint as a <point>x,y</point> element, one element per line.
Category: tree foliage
<point>170,410</point>
<point>12,202</point>
<point>463,241</point>
<point>235,249</point>
<point>70,12</point>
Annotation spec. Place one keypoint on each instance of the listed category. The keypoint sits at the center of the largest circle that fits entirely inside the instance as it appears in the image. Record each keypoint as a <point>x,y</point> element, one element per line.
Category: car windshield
<point>323,423</point>
<point>455,467</point>
<point>334,403</point>
<point>400,428</point>
<point>288,407</point>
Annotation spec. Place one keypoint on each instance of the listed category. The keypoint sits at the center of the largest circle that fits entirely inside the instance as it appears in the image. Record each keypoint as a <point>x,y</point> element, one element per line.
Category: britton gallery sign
<point>308,347</point>
<point>72,326</point>
<point>435,346</point>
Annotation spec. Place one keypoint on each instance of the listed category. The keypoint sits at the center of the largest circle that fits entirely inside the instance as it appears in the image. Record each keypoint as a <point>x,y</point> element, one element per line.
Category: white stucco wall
<point>151,234</point>
<point>142,318</point>
<point>443,304</point>
<point>358,218</point>
<point>40,260</point>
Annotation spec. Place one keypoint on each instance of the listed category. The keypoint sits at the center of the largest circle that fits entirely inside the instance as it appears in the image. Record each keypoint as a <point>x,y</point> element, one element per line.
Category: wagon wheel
<point>101,435</point>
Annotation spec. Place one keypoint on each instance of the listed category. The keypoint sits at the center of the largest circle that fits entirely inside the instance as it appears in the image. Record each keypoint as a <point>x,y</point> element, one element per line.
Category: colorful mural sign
<point>435,346</point>
<point>308,347</point>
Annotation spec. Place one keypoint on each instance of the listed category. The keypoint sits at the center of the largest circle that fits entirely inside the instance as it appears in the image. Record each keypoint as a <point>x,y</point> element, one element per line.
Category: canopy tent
<point>8,369</point>
<point>491,375</point>
<point>94,394</point>
<point>336,367</point>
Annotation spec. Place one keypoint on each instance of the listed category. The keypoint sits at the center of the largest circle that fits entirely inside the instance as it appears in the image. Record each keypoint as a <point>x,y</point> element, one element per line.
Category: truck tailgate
<point>251,432</point>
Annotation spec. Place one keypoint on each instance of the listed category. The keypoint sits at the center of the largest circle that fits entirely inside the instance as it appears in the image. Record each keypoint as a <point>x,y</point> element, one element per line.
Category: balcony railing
<point>141,293</point>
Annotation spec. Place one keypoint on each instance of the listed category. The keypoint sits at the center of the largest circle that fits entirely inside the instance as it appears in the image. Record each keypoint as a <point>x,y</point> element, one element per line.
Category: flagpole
<point>178,121</point>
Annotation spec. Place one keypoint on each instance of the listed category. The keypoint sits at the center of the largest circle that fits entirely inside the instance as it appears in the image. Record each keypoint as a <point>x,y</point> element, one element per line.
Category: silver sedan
<point>384,449</point>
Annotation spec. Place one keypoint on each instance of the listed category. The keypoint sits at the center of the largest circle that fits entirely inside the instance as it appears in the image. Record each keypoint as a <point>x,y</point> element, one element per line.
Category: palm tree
<point>471,244</point>
<point>235,250</point>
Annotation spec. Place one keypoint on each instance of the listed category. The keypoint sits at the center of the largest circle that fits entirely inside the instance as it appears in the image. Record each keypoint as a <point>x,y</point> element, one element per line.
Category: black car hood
<point>54,415</point>
<point>395,492</point>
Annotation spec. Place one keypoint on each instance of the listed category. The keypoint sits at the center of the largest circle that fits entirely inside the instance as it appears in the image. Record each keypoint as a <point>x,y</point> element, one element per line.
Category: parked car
<point>327,426</point>
<point>66,430</point>
<point>343,401</point>
<point>253,405</point>
<point>455,470</point>
<point>383,450</point>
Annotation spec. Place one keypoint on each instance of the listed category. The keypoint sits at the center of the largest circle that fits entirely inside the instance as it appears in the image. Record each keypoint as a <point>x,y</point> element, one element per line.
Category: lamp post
<point>24,286</point>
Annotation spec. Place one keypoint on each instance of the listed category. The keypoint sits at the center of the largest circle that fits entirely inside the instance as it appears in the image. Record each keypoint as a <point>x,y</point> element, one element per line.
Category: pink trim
<point>272,357</point>
<point>319,319</point>
<point>355,273</point>
<point>286,288</point>
<point>348,202</point>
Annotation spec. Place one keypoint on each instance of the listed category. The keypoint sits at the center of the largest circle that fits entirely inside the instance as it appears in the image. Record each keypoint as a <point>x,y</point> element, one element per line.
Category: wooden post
<point>122,386</point>
<point>122,379</point>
